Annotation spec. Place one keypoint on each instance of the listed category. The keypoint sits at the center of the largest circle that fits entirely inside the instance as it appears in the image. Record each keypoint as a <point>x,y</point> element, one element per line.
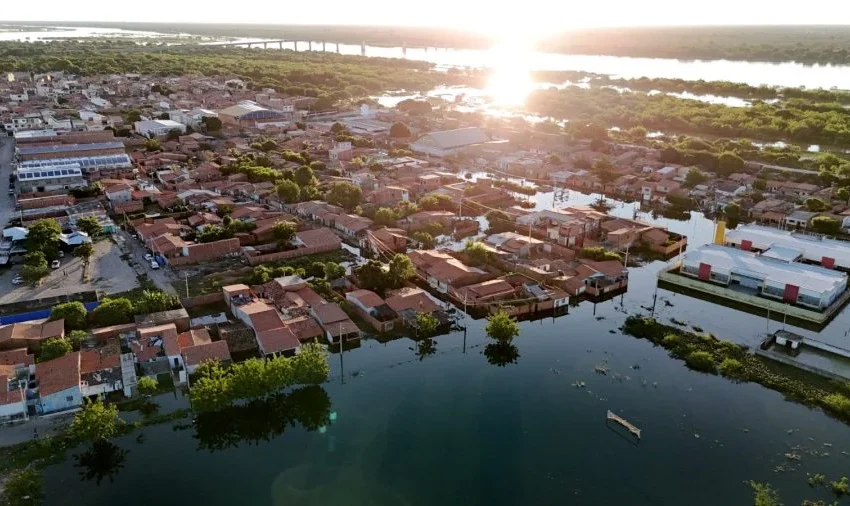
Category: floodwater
<point>515,60</point>
<point>472,424</point>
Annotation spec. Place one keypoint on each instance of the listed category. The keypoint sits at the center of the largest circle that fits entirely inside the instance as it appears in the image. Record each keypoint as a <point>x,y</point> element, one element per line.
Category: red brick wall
<point>284,255</point>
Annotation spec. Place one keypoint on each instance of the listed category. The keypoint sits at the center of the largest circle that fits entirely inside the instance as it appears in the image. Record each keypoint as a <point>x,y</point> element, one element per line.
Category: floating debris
<point>668,303</point>
<point>636,367</point>
<point>746,431</point>
<point>655,384</point>
<point>601,368</point>
<point>612,331</point>
<point>600,318</point>
<point>793,456</point>
<point>554,371</point>
<point>579,384</point>
<point>696,435</point>
<point>827,445</point>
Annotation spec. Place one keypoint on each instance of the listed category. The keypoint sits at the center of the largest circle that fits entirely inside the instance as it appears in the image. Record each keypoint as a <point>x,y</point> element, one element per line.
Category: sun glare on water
<point>510,83</point>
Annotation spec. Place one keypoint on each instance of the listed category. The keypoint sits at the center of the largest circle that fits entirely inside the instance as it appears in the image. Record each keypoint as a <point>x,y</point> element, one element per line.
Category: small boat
<point>625,423</point>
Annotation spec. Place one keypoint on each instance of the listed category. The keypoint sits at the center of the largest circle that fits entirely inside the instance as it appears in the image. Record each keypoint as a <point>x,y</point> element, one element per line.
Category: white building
<point>449,142</point>
<point>191,118</point>
<point>827,252</point>
<point>802,284</point>
<point>158,127</point>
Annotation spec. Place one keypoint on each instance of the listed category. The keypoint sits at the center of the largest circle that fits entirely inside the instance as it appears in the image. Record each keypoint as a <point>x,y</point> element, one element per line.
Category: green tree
<point>604,170</point>
<point>54,347</point>
<point>372,276</point>
<point>43,236</point>
<point>74,314</point>
<point>133,115</point>
<point>155,301</point>
<point>337,128</point>
<point>89,225</point>
<point>283,232</point>
<point>84,251</point>
<point>826,225</point>
<point>211,123</point>
<point>425,240</point>
<point>399,130</point>
<point>345,195</point>
<point>437,202</point>
<point>35,267</point>
<point>729,163</point>
<point>476,252</point>
<point>384,216</point>
<point>152,145</point>
<point>311,366</point>
<point>815,205</point>
<point>211,391</point>
<point>113,312</point>
<point>77,338</point>
<point>426,324</point>
<point>174,134</point>
<point>502,327</point>
<point>288,191</point>
<point>760,184</point>
<point>695,177</point>
<point>333,271</point>
<point>400,270</point>
<point>304,176</point>
<point>96,421</point>
<point>147,385</point>
<point>843,194</point>
<point>499,221</point>
<point>733,211</point>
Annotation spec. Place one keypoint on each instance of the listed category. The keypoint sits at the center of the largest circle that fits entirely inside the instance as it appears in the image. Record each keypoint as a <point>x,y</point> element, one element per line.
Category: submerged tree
<point>501,353</point>
<point>502,327</point>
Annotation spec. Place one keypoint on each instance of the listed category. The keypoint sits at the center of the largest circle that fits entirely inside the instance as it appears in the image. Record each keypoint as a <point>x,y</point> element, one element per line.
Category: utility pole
<point>186,278</point>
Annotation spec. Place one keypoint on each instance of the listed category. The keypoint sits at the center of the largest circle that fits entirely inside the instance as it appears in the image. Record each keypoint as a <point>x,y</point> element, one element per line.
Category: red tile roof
<point>95,360</point>
<point>305,328</point>
<point>16,357</point>
<point>367,298</point>
<point>58,374</point>
<point>194,355</point>
<point>277,340</point>
<point>6,396</point>
<point>411,298</point>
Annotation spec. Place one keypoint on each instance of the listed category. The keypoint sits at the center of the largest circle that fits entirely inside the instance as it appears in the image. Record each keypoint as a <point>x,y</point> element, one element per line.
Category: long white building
<point>827,252</point>
<point>806,285</point>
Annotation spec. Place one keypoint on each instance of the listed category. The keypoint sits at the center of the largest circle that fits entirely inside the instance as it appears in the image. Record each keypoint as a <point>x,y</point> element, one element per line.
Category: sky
<point>488,16</point>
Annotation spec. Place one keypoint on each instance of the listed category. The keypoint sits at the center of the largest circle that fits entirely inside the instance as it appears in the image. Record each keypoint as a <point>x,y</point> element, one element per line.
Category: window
<point>69,398</point>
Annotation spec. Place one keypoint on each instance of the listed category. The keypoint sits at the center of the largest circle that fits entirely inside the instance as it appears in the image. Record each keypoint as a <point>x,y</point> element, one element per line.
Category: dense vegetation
<point>806,44</point>
<point>311,74</point>
<point>704,352</point>
<point>793,120</point>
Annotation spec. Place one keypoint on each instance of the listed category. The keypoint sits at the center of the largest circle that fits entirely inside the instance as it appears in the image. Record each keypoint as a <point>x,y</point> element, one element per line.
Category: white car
<point>154,265</point>
<point>149,257</point>
<point>18,280</point>
<point>55,264</point>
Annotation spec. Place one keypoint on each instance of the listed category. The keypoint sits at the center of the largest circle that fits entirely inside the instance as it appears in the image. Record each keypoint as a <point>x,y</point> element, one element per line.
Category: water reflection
<point>426,348</point>
<point>263,420</point>
<point>501,354</point>
<point>102,460</point>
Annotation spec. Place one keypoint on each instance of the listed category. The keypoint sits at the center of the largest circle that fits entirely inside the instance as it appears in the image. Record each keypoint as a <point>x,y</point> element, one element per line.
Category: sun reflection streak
<point>511,82</point>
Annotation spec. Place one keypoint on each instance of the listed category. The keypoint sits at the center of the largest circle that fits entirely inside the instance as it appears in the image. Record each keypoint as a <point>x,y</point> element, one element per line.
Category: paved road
<point>162,277</point>
<point>7,203</point>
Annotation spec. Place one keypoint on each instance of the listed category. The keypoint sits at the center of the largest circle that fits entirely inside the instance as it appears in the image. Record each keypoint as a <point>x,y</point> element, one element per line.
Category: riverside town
<point>323,263</point>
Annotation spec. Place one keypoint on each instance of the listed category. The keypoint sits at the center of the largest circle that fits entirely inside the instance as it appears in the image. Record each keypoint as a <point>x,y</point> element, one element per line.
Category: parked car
<point>154,265</point>
<point>61,254</point>
<point>149,257</point>
<point>55,264</point>
<point>18,280</point>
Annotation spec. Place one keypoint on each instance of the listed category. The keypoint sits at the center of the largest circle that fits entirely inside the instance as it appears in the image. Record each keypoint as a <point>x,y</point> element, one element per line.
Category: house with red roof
<point>100,372</point>
<point>12,400</point>
<point>58,384</point>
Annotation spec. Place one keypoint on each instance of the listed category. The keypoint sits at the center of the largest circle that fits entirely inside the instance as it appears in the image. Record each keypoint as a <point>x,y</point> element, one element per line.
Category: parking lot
<point>107,273</point>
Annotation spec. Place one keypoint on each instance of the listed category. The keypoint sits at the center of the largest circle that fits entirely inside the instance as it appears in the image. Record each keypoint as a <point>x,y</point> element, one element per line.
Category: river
<point>789,74</point>
<point>454,428</point>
